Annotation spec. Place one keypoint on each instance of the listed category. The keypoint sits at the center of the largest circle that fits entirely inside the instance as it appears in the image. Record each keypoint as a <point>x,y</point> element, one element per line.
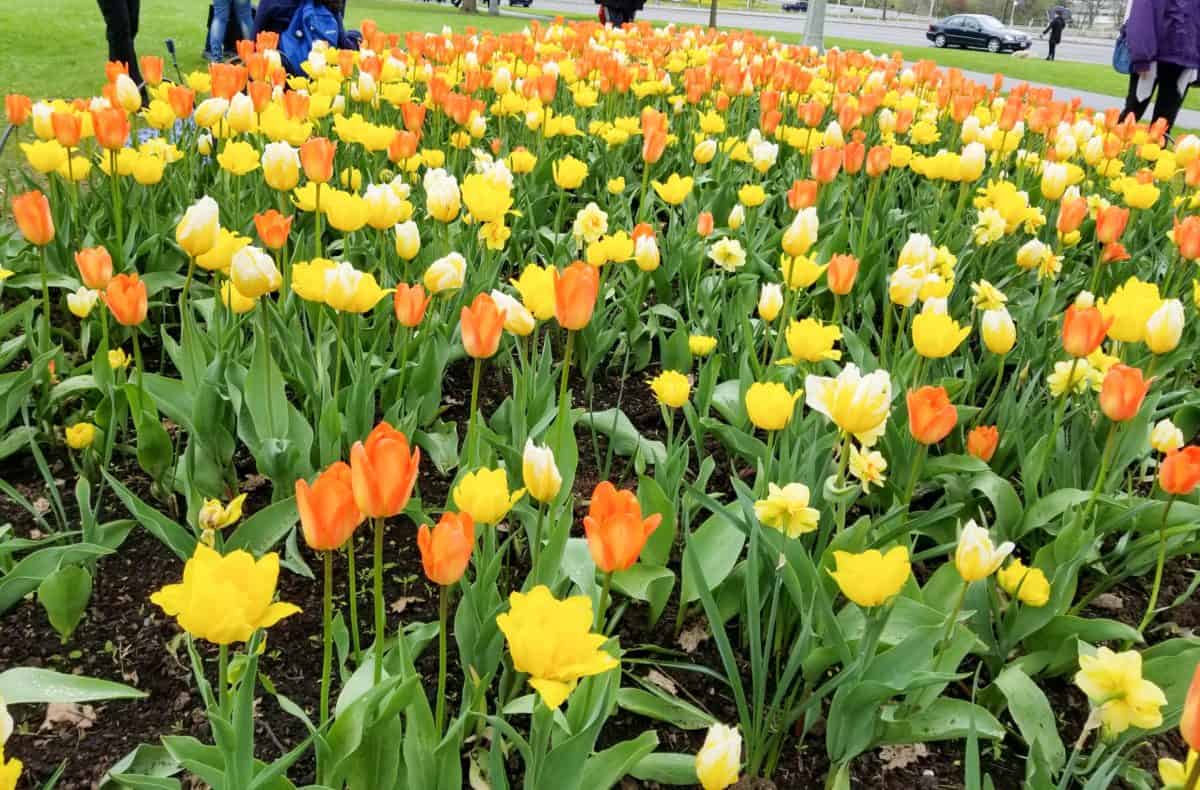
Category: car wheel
<point>993,45</point>
<point>939,41</point>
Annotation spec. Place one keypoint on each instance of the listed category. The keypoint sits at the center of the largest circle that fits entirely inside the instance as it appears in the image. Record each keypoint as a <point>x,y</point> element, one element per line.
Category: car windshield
<point>989,22</point>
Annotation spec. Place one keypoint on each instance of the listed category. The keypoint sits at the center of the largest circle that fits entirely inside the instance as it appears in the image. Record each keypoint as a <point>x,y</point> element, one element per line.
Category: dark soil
<point>124,637</point>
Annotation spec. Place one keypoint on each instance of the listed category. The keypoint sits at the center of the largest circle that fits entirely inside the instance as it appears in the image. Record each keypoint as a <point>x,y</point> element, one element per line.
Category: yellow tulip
<point>350,291</point>
<point>44,156</point>
<point>540,473</point>
<point>220,257</point>
<point>998,330</point>
<point>770,405</point>
<point>801,234</point>
<point>225,599</point>
<point>671,388</point>
<point>281,166</point>
<point>253,272</point>
<point>857,404</point>
<point>485,198</point>
<point>569,173</point>
<point>483,494</point>
<point>675,190</point>
<point>536,287</point>
<point>442,196</point>
<point>812,341</point>
<point>752,195</point>
<point>1028,585</point>
<point>871,578</point>
<point>200,229</point>
<point>1131,305</point>
<point>446,273</point>
<point>408,240</point>
<point>213,515</point>
<point>936,335</point>
<point>719,760</point>
<point>701,345</point>
<point>148,169</point>
<point>800,271</point>
<point>81,301</point>
<point>976,557</point>
<point>345,211</point>
<point>235,300</point>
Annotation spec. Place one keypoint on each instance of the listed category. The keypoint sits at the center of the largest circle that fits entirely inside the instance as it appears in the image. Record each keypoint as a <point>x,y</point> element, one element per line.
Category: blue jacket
<point>1165,31</point>
<point>276,15</point>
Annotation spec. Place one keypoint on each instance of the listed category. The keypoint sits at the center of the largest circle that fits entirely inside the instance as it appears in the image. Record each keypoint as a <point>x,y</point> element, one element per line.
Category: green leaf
<point>604,769</point>
<point>666,768</point>
<point>64,595</point>
<point>147,767</point>
<point>626,440</point>
<point>716,546</point>
<point>647,583</point>
<point>661,706</point>
<point>946,719</point>
<point>1034,717</point>
<point>654,500</point>
<point>172,535</point>
<point>27,685</point>
<point>261,532</point>
<point>31,571</point>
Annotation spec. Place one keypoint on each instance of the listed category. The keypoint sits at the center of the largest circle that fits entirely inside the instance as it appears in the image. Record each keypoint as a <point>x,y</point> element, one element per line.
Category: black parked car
<point>796,5</point>
<point>976,31</point>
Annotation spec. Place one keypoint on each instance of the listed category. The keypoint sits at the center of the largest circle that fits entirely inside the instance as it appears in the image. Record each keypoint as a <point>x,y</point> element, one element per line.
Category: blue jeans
<point>222,11</point>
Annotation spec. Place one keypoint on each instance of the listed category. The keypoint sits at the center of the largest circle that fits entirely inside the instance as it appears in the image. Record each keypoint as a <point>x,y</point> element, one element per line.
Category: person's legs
<point>1169,98</point>
<point>216,31</point>
<point>1132,103</point>
<point>118,30</point>
<point>244,18</point>
<point>1053,46</point>
<point>133,9</point>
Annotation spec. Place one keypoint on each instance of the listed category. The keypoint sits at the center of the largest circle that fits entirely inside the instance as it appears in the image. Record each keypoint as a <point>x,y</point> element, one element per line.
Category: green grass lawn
<point>57,47</point>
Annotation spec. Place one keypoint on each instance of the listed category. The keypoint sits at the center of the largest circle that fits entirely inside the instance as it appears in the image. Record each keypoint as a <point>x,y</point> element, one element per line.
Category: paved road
<point>890,33</point>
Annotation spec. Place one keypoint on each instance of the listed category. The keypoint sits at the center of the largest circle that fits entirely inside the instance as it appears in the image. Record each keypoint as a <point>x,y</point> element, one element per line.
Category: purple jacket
<point>1164,30</point>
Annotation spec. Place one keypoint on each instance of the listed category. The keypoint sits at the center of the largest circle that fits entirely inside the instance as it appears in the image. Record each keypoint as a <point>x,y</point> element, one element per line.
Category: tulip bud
<point>1166,437</point>
<point>976,557</point>
<point>840,275</point>
<point>982,442</point>
<point>128,95</point>
<point>737,216</point>
<point>541,475</point>
<point>408,240</point>
<point>517,319</point>
<point>81,301</point>
<point>446,549</point>
<point>200,228</point>
<point>770,301</point>
<point>253,272</point>
<point>1164,328</point>
<point>999,331</point>
<point>719,760</point>
<point>446,273</point>
<point>645,253</point>
<point>281,166</point>
<point>240,114</point>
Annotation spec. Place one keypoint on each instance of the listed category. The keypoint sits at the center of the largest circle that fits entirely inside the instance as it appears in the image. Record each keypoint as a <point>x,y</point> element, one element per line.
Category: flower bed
<point>675,406</point>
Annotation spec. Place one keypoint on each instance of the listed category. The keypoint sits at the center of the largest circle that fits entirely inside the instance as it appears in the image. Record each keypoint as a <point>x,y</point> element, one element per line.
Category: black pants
<point>1053,46</point>
<point>1168,99</point>
<point>618,16</point>
<point>121,21</point>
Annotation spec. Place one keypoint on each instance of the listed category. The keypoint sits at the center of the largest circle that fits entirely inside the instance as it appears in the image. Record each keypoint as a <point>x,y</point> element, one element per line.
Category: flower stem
<point>1102,473</point>
<point>46,343</point>
<point>118,213</point>
<point>535,542</point>
<point>564,408</point>
<point>949,630</point>
<point>1158,568</point>
<point>353,574</point>
<point>380,623</point>
<point>471,427</point>
<point>327,647</point>
<point>918,462</point>
<point>222,675</point>
<point>604,592</point>
<point>317,218</point>
<point>443,617</point>
<point>843,465</point>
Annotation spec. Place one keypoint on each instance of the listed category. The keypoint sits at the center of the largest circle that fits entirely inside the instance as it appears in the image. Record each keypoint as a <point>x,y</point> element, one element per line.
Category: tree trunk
<point>885,3</point>
<point>712,14</point>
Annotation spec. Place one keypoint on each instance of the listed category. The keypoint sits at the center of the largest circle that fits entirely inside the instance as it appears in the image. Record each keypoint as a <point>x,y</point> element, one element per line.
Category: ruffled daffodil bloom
<point>225,599</point>
<point>868,467</point>
<point>551,641</point>
<point>671,388</point>
<point>80,435</point>
<point>786,509</point>
<point>1122,697</point>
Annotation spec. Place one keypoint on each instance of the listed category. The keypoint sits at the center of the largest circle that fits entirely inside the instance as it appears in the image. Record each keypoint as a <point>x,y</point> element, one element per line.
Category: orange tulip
<point>802,194</point>
<point>615,529</point>
<point>575,291</point>
<point>127,299</point>
<point>1180,474</point>
<point>704,224</point>
<point>260,94</point>
<point>328,514</point>
<point>273,228</point>
<point>1122,392</point>
<point>853,156</point>
<point>1071,215</point>
<point>182,100</point>
<point>17,107</point>
<point>1084,329</point>
<point>383,472</point>
<point>403,145</point>
<point>295,105</point>
<point>95,267</point>
<point>654,142</point>
<point>879,159</point>
<point>446,549</point>
<point>114,69</point>
<point>227,79</point>
<point>1110,223</point>
<point>413,115</point>
<point>1186,236</point>
<point>316,156</point>
<point>1114,252</point>
<point>1189,722</point>
<point>931,415</point>
<point>111,127</point>
<point>1191,175</point>
<point>68,128</point>
<point>32,212</point>
<point>410,302</point>
<point>152,69</point>
<point>841,273</point>
<point>982,442</point>
<point>481,325</point>
<point>826,162</point>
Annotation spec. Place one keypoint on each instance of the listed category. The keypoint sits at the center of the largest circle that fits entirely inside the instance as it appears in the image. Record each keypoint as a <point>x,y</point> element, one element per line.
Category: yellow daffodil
<point>1114,684</point>
<point>1131,306</point>
<point>786,509</point>
<point>215,516</point>
<point>868,466</point>
<point>671,388</point>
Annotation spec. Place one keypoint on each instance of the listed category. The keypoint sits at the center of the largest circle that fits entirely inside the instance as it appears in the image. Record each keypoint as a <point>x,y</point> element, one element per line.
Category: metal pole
<point>814,27</point>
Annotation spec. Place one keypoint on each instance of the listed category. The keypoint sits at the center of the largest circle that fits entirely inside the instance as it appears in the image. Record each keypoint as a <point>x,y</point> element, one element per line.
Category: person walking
<point>1055,29</point>
<point>121,28</point>
<point>1164,52</point>
<point>223,12</point>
